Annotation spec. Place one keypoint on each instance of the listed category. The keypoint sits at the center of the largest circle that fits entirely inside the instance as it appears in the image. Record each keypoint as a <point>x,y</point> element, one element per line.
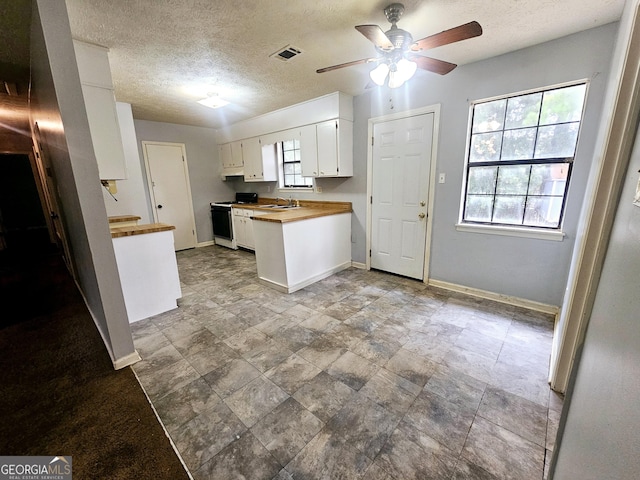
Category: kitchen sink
<point>279,207</point>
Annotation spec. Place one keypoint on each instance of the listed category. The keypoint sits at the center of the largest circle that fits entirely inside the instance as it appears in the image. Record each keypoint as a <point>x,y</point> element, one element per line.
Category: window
<point>291,173</point>
<point>520,157</point>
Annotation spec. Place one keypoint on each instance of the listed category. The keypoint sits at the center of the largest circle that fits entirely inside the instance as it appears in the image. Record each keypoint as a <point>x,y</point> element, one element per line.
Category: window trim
<point>554,233</point>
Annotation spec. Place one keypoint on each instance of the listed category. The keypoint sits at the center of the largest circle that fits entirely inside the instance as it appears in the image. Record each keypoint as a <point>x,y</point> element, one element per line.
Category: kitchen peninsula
<point>147,266</point>
<point>300,245</point>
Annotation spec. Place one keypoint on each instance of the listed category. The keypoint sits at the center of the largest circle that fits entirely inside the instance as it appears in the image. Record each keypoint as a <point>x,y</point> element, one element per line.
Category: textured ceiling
<point>166,54</point>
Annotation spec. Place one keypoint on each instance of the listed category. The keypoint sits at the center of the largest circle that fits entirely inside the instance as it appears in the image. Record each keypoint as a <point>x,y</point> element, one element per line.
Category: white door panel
<point>400,171</point>
<point>170,191</point>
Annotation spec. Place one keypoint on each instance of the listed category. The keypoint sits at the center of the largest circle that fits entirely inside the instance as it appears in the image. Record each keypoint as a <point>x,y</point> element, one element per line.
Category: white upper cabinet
<point>324,126</point>
<point>326,149</point>
<point>260,162</point>
<point>100,103</point>
<point>230,155</point>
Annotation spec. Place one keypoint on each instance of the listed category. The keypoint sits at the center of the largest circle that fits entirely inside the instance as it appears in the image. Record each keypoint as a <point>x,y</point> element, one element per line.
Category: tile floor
<point>361,375</point>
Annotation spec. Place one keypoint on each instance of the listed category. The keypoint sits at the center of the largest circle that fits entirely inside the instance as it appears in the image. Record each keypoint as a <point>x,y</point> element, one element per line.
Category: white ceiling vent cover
<point>287,53</point>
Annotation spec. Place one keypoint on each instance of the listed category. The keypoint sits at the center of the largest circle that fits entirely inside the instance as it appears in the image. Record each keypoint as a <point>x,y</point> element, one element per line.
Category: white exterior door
<point>401,164</point>
<point>170,190</point>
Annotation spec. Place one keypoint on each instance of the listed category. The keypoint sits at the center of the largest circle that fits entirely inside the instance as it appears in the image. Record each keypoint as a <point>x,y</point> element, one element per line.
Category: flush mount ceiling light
<point>398,56</point>
<point>213,101</point>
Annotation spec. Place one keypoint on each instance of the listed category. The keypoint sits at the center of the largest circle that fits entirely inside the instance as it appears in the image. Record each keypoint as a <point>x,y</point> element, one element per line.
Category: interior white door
<point>401,163</point>
<point>170,190</point>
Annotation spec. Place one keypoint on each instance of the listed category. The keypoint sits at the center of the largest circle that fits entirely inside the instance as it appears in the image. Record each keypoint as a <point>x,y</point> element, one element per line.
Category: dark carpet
<point>59,394</point>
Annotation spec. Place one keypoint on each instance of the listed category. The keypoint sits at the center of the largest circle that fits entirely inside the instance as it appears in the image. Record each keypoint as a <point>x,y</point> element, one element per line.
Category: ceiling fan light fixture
<point>406,68</point>
<point>379,74</point>
<point>395,80</point>
<point>213,101</point>
<point>398,73</point>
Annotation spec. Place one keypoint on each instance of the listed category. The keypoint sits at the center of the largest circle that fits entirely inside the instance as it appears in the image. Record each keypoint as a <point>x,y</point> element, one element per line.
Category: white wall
<point>130,198</point>
<point>204,168</point>
<point>57,105</point>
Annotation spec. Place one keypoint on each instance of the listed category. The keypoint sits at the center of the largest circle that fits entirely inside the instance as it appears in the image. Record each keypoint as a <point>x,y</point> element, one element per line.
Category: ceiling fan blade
<point>462,32</point>
<point>375,34</point>
<point>348,64</point>
<point>433,65</point>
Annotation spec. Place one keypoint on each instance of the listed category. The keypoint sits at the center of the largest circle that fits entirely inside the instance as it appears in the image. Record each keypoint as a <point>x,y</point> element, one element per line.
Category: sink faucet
<point>278,200</point>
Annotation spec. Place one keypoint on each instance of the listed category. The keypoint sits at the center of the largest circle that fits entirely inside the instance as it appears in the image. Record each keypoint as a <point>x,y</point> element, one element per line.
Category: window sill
<point>538,233</point>
<point>295,189</point>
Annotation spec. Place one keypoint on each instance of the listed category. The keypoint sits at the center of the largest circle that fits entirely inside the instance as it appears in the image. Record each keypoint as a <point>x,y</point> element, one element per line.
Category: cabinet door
<point>236,154</point>
<point>252,158</point>
<point>105,132</point>
<point>238,226</point>
<point>327,138</point>
<point>309,151</point>
<point>225,155</point>
<point>248,230</point>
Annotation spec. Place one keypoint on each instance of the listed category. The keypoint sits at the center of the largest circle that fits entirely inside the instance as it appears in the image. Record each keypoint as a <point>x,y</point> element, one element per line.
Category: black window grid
<point>530,161</point>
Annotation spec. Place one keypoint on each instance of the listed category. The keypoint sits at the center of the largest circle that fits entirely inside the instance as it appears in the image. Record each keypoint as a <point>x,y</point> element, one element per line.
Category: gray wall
<point>521,267</point>
<point>58,107</point>
<point>204,168</point>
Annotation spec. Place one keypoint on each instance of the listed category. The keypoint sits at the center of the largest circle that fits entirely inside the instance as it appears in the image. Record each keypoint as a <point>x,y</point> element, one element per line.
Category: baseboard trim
<point>306,282</point>
<point>360,265</point>
<point>204,244</point>
<point>118,363</point>
<point>127,360</point>
<point>497,297</point>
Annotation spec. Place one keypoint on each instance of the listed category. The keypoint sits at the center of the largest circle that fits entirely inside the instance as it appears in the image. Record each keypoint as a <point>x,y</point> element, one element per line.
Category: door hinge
<point>372,141</point>
<point>183,158</point>
<point>369,252</point>
<point>371,199</point>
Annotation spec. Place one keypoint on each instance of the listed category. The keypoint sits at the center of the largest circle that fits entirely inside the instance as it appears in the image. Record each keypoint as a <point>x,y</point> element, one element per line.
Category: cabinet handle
<point>321,173</point>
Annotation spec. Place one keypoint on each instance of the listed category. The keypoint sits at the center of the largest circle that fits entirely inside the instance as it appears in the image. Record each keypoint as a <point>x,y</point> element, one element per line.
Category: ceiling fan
<point>398,53</point>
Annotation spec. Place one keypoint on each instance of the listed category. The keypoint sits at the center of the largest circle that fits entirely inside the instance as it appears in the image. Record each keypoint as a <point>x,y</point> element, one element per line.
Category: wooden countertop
<point>117,232</point>
<point>308,209</point>
<point>124,218</point>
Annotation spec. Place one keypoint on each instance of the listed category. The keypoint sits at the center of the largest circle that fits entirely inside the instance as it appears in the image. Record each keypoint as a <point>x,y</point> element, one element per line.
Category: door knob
<point>159,206</point>
<point>421,216</point>
<point>423,203</point>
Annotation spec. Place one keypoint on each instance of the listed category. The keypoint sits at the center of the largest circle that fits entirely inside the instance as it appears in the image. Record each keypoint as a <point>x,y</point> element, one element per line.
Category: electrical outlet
<point>319,189</point>
<point>441,178</point>
<point>268,188</point>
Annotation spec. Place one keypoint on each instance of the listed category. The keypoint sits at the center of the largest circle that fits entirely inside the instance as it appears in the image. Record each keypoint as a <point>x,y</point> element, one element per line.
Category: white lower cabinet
<point>243,228</point>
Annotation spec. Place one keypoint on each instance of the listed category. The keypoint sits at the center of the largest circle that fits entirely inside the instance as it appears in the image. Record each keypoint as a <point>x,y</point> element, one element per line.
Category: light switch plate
<point>441,178</point>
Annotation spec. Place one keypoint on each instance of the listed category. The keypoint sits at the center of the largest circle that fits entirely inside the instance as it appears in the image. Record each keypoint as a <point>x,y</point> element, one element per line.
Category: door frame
<point>621,113</point>
<point>149,181</point>
<point>435,110</point>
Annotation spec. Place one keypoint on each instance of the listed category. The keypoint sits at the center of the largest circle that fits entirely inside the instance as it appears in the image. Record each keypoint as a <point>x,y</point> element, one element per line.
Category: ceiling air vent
<point>287,53</point>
